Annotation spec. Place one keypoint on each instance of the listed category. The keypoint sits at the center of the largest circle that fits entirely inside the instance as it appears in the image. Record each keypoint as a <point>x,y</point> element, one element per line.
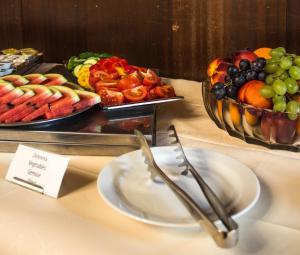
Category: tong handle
<point>209,194</point>
<point>224,239</point>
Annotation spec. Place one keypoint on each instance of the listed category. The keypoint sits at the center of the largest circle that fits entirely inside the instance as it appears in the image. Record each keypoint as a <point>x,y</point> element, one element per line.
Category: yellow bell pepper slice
<point>83,80</point>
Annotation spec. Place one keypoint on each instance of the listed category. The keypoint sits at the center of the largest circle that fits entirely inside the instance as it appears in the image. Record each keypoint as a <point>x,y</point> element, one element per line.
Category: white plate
<point>125,185</point>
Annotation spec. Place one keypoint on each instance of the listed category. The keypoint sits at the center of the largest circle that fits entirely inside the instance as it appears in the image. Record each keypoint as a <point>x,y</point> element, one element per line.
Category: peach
<point>253,96</point>
<point>220,72</point>
<point>235,114</point>
<point>263,52</point>
<point>212,67</point>
<point>298,126</point>
<point>250,117</point>
<point>242,91</point>
<point>243,54</point>
<point>220,109</point>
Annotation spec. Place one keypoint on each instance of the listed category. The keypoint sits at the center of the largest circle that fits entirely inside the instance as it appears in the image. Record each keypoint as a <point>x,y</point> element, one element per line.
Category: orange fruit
<point>263,52</point>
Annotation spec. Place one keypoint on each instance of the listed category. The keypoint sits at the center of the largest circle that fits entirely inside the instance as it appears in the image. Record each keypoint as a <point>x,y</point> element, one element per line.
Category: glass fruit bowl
<point>258,126</point>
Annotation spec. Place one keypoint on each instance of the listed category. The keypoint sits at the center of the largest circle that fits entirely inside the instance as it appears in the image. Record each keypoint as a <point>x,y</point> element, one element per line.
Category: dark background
<point>179,37</point>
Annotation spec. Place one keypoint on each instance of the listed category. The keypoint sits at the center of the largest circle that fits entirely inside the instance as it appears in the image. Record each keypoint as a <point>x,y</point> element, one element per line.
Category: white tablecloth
<point>80,222</point>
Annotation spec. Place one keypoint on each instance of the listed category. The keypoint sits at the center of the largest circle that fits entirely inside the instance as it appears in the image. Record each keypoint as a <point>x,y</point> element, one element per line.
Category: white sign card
<point>38,170</point>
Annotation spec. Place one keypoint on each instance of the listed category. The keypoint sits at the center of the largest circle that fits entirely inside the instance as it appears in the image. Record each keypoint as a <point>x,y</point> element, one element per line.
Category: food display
<point>13,59</point>
<point>116,81</point>
<point>40,96</point>
<point>255,95</point>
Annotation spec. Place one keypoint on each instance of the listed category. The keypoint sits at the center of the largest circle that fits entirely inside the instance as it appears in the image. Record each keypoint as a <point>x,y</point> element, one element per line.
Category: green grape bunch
<point>282,82</point>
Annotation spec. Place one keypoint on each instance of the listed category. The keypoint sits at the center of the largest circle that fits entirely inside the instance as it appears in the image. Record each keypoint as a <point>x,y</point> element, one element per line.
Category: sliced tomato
<point>96,75</point>
<point>110,84</point>
<point>130,81</point>
<point>150,78</point>
<point>110,97</point>
<point>164,91</point>
<point>152,95</point>
<point>135,94</point>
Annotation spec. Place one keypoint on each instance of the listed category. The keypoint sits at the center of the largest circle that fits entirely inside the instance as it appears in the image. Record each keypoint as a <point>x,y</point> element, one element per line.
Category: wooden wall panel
<point>179,37</point>
<point>57,27</point>
<point>136,30</point>
<point>293,26</point>
<point>10,24</point>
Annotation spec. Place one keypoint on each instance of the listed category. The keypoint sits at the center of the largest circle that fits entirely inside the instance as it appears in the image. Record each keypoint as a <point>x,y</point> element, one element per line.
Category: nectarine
<point>243,54</point>
<point>220,72</point>
<point>213,65</point>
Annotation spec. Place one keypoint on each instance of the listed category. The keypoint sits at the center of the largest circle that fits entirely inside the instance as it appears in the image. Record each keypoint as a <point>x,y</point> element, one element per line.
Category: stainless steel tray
<point>92,133</point>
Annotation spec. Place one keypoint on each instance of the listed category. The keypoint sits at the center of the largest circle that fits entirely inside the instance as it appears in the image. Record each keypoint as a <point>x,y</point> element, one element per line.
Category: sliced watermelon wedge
<point>20,115</point>
<point>35,78</point>
<point>37,113</point>
<point>5,107</point>
<point>31,104</point>
<point>42,93</point>
<point>54,79</point>
<point>15,79</point>
<point>87,99</point>
<point>44,108</point>
<point>5,87</point>
<point>8,97</point>
<point>28,93</point>
<point>59,112</point>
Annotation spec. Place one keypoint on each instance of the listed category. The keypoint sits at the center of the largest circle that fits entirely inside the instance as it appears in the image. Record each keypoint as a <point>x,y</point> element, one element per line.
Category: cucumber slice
<point>90,61</point>
<point>76,70</point>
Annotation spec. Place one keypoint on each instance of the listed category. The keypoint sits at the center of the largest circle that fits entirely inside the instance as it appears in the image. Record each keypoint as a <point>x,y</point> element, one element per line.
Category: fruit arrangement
<point>260,92</point>
<point>37,96</point>
<point>117,82</point>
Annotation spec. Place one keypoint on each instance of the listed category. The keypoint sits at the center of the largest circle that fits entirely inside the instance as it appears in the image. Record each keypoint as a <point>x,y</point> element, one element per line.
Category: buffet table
<point>80,222</point>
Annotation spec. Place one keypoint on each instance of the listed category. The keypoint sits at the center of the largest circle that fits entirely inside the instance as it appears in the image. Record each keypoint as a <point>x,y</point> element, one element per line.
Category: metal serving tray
<point>91,133</point>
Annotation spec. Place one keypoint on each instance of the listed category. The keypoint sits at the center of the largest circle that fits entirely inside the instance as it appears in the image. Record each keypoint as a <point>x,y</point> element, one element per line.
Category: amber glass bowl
<point>258,126</point>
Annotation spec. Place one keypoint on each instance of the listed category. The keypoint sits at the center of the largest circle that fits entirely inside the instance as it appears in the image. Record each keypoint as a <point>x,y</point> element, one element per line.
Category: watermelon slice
<point>28,93</point>
<point>44,108</point>
<point>5,87</point>
<point>86,99</point>
<point>31,104</point>
<point>59,112</point>
<point>15,79</point>
<point>19,115</point>
<point>8,97</point>
<point>42,93</point>
<point>35,78</point>
<point>54,79</point>
<point>63,106</point>
<point>5,107</point>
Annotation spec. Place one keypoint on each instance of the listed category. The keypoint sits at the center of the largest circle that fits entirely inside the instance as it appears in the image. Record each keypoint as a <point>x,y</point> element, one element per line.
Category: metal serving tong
<point>226,237</point>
